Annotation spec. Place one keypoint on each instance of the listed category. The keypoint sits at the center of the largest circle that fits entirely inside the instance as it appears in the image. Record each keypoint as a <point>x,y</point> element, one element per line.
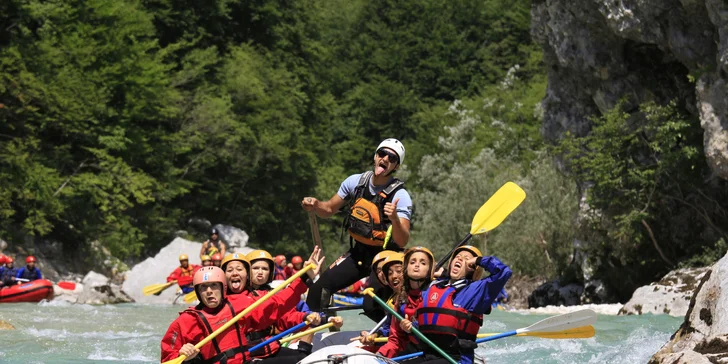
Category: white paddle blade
<point>563,322</point>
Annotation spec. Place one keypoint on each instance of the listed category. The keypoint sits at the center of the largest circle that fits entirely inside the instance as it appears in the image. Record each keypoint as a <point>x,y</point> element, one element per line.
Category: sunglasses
<point>393,157</point>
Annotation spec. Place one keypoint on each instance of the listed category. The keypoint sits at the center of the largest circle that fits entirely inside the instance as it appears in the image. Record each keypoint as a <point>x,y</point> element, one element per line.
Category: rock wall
<point>599,51</point>
<point>671,295</point>
<point>703,336</point>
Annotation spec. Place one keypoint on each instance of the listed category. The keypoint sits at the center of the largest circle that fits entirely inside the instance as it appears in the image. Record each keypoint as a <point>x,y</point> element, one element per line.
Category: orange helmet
<point>256,255</point>
<point>30,259</point>
<point>478,273</point>
<point>427,252</point>
<point>8,260</point>
<point>296,260</point>
<point>280,259</point>
<point>209,274</point>
<point>217,256</point>
<point>240,257</point>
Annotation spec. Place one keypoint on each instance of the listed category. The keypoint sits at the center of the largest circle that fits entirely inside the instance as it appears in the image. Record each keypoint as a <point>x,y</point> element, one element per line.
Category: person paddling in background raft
<point>294,266</point>
<point>452,309</point>
<point>30,271</point>
<point>217,260</point>
<point>213,245</point>
<point>206,261</point>
<point>7,276</point>
<point>377,202</point>
<point>418,273</point>
<point>184,274</point>
<point>261,267</point>
<point>280,268</point>
<point>216,308</point>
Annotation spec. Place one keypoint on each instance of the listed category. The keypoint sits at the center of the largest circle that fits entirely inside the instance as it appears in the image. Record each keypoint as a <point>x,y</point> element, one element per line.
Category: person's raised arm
<point>323,209</point>
<point>203,249</point>
<point>222,248</point>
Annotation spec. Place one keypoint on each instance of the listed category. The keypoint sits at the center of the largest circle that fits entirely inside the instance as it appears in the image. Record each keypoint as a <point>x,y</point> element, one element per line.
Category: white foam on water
<point>493,325</point>
<point>63,334</point>
<point>638,347</point>
<point>101,354</point>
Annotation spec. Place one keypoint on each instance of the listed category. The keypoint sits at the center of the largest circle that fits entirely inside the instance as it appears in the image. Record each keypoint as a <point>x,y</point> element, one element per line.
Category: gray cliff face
<point>599,51</point>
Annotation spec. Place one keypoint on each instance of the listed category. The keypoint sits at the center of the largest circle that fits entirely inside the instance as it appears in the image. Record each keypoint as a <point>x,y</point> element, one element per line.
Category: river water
<point>59,332</point>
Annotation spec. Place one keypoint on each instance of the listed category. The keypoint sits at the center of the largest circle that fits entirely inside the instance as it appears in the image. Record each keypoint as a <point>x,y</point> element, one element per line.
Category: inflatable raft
<point>34,291</point>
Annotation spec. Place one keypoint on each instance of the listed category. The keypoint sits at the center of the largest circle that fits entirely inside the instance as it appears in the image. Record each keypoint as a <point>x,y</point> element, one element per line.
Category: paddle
<point>314,228</point>
<point>582,332</point>
<point>370,292</point>
<point>190,297</point>
<point>491,214</point>
<point>276,337</point>
<point>559,323</point>
<point>237,317</point>
<point>307,332</point>
<point>68,285</point>
<point>157,288</point>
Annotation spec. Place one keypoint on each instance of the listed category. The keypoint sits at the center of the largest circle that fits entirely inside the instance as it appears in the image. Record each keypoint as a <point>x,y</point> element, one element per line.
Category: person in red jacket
<point>183,274</point>
<point>261,265</point>
<point>279,268</point>
<point>217,308</point>
<point>419,266</point>
<point>294,266</point>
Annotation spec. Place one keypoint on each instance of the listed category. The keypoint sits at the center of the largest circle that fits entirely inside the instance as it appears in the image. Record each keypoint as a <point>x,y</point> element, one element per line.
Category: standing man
<point>213,245</point>
<point>376,203</point>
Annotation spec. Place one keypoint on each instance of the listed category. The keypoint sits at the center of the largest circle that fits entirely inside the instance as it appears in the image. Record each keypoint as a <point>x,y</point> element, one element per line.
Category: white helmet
<point>394,145</point>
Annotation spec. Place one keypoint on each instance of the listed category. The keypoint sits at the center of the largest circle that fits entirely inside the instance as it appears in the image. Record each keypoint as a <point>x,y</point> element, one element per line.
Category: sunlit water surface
<point>67,333</point>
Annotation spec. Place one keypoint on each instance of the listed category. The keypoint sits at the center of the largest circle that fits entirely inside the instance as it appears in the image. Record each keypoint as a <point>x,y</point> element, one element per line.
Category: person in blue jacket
<point>30,271</point>
<point>8,273</point>
<point>452,309</point>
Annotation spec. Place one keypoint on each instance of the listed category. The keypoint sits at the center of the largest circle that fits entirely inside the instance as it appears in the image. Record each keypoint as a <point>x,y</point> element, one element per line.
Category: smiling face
<point>236,275</point>
<point>395,276</point>
<point>418,266</point>
<point>210,293</point>
<point>260,271</point>
<point>385,162</point>
<point>458,268</point>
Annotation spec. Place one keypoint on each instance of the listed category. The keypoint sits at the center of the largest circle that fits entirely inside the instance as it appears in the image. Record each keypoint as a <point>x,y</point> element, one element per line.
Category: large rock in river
<point>671,295</point>
<point>703,336</point>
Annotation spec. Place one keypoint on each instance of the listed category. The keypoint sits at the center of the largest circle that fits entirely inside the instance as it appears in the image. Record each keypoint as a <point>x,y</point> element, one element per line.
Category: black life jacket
<point>366,221</point>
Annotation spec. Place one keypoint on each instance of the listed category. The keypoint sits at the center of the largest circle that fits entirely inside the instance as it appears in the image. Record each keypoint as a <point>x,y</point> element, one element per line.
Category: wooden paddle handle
<point>314,228</point>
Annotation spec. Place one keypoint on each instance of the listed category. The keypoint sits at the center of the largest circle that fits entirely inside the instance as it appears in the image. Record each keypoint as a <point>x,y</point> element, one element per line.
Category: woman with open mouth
<point>262,266</point>
<point>419,265</point>
<point>452,309</point>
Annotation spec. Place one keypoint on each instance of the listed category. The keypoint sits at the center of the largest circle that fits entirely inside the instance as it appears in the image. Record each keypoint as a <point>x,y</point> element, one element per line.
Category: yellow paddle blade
<point>190,297</point>
<point>155,288</point>
<point>497,208</point>
<point>582,332</point>
<point>307,332</point>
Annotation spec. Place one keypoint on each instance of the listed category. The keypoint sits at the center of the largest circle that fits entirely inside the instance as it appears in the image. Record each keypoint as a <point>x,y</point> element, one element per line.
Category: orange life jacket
<point>367,222</point>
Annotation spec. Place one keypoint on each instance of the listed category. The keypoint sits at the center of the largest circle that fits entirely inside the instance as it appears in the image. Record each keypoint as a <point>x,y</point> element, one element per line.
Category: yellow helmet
<point>395,258</point>
<point>381,256</point>
<point>204,257</point>
<point>478,273</point>
<point>262,255</point>
<point>183,257</point>
<point>427,252</point>
<point>240,257</point>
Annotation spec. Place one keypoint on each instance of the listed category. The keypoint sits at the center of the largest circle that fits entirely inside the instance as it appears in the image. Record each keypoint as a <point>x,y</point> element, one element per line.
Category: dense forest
<point>122,120</point>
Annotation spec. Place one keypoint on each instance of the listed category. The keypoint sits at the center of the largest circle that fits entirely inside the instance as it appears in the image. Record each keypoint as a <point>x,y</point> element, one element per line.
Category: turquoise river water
<point>58,332</point>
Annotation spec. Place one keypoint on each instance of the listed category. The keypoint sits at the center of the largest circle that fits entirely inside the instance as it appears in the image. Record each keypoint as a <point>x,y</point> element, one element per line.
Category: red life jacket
<point>226,346</point>
<point>279,273</point>
<point>443,322</point>
<point>255,337</point>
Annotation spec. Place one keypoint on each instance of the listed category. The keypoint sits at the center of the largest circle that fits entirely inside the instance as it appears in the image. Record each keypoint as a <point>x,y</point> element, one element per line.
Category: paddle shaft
<point>307,332</point>
<point>582,332</point>
<point>250,308</point>
<point>314,228</point>
<point>447,256</point>
<point>415,331</point>
<point>276,337</point>
<point>378,325</point>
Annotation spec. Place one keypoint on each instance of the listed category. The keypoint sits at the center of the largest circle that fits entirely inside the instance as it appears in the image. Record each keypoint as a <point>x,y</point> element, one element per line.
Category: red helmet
<point>209,274</point>
<point>30,259</point>
<point>296,260</point>
<point>8,260</point>
<point>280,259</point>
<point>217,256</point>
<point>3,258</point>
